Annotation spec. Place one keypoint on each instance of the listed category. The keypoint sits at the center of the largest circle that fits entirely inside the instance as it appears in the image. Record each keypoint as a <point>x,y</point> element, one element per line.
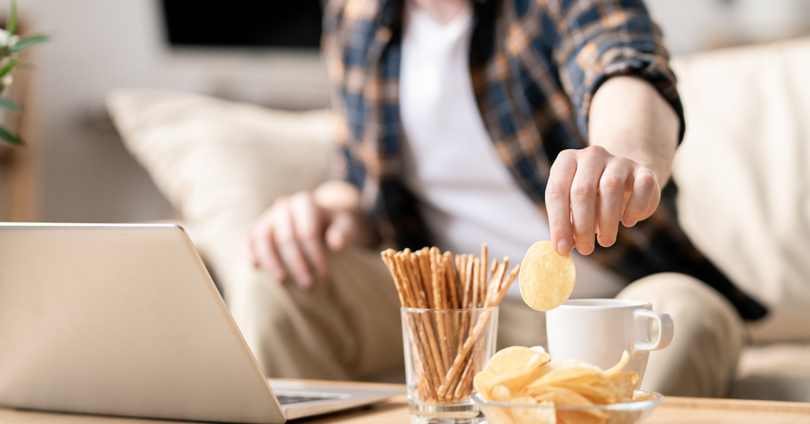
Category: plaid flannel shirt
<point>535,65</point>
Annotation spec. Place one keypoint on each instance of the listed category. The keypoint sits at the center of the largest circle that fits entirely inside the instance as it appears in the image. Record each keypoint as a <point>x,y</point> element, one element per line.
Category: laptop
<point>125,320</point>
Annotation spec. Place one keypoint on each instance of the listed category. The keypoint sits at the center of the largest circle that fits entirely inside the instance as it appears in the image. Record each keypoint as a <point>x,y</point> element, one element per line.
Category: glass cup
<point>444,349</point>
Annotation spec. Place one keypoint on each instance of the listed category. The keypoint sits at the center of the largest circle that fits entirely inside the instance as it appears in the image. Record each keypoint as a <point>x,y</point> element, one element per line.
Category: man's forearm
<point>629,118</point>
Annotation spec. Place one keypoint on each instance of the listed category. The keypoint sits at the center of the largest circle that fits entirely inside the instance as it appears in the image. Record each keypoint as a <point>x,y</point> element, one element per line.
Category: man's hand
<point>291,237</point>
<point>633,136</point>
<point>590,191</point>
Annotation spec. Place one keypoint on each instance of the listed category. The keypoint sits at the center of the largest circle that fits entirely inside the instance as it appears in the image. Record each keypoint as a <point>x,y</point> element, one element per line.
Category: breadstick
<point>386,257</point>
<point>439,298</point>
<point>418,281</point>
<point>476,282</point>
<point>505,286</point>
<point>484,259</point>
<point>424,267</point>
<point>468,278</point>
<point>496,282</point>
<point>447,349</point>
<point>450,279</point>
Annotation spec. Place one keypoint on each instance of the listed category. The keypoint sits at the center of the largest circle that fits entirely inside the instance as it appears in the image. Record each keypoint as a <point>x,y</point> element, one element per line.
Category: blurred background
<point>261,51</point>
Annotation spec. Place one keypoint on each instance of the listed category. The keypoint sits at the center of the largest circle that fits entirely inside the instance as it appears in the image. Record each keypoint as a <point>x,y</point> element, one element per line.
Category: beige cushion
<point>744,175</point>
<point>221,163</point>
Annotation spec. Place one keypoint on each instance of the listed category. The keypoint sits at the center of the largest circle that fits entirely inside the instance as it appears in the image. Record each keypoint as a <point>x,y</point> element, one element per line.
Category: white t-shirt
<point>467,195</point>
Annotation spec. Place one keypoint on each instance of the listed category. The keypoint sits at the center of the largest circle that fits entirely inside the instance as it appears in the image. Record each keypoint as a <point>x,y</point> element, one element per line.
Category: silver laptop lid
<point>121,320</point>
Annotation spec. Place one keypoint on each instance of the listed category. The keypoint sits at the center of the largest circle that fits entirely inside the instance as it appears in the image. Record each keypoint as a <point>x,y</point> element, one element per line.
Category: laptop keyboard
<point>288,399</point>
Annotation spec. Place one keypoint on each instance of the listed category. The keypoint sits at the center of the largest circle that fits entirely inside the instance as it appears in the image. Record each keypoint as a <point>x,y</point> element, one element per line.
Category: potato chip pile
<point>527,376</point>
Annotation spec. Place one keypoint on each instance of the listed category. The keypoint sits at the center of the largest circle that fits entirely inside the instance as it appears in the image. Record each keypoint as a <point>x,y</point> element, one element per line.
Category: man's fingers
<point>307,229</point>
<point>253,259</point>
<point>288,248</point>
<point>558,191</point>
<point>590,166</point>
<point>612,188</point>
<point>266,255</point>
<point>644,194</point>
<point>339,231</point>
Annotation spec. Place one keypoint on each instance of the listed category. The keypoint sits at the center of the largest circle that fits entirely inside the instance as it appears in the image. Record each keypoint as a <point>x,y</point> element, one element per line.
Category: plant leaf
<point>12,19</point>
<point>9,66</point>
<point>9,104</point>
<point>11,138</point>
<point>28,42</point>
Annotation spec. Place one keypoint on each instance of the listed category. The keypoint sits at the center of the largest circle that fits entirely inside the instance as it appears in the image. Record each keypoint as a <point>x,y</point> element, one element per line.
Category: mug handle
<point>665,332</point>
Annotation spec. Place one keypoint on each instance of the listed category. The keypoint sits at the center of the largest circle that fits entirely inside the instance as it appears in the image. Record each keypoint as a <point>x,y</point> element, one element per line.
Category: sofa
<point>742,170</point>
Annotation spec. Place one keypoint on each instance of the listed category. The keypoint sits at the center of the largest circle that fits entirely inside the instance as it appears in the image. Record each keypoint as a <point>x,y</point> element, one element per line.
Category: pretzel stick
<point>452,380</point>
<point>463,387</point>
<point>454,373</point>
<point>435,373</point>
<point>482,297</point>
<point>386,257</point>
<point>505,286</point>
<point>447,303</point>
<point>461,265</point>
<point>466,263</point>
<point>484,259</point>
<point>453,321</point>
<point>452,283</point>
<point>425,369</point>
<point>424,267</point>
<point>494,284</point>
<point>480,324</point>
<point>497,280</point>
<point>443,363</point>
<point>476,282</point>
<point>426,374</point>
<point>429,353</point>
<point>434,361</point>
<point>493,270</point>
<point>408,291</point>
<point>439,298</point>
<point>468,275</point>
<point>416,277</point>
<point>427,337</point>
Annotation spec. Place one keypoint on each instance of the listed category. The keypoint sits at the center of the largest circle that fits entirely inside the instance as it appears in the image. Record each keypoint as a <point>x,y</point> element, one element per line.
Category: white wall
<point>690,26</point>
<point>98,45</point>
<point>102,44</point>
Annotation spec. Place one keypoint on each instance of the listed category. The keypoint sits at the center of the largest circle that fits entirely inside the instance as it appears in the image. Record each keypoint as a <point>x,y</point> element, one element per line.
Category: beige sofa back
<point>745,183</point>
<point>744,174</point>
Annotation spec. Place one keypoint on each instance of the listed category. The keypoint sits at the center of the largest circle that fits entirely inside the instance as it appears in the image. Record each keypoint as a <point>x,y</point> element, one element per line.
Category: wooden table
<point>395,411</point>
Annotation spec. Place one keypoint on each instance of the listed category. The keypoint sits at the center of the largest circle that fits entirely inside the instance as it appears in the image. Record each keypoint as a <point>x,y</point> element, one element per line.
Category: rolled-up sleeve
<point>599,39</point>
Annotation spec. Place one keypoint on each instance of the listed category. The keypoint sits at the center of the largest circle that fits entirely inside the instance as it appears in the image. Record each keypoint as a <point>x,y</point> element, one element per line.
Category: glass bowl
<point>619,413</point>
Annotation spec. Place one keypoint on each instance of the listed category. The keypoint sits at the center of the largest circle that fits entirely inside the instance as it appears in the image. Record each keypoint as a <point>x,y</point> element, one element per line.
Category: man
<point>506,122</point>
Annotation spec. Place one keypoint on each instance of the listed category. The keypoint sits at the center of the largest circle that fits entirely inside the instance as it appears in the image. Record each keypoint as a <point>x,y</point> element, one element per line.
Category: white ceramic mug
<point>597,331</point>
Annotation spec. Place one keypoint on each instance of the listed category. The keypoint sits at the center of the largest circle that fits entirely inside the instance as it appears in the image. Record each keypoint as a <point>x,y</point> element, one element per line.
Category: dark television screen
<point>243,23</point>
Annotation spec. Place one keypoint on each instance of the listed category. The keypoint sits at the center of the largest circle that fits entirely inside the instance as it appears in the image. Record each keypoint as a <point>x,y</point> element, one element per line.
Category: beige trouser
<point>348,327</point>
<point>702,359</point>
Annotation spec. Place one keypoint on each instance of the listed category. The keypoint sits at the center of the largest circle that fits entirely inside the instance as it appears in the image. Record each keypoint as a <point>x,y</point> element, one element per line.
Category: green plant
<point>11,46</point>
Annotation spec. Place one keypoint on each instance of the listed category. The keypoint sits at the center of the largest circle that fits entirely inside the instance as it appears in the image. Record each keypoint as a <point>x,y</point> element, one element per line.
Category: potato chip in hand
<point>546,277</point>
